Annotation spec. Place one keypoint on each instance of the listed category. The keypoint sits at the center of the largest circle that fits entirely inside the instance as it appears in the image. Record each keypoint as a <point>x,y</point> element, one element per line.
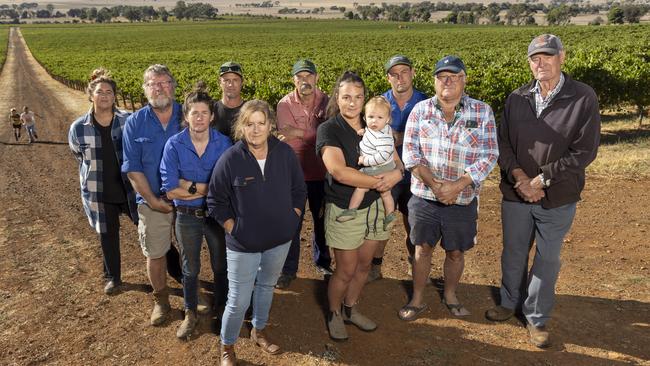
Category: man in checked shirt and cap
<point>450,147</point>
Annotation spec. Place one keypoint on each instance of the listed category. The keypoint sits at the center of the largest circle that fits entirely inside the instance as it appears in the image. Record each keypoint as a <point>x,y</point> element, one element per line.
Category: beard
<point>160,101</point>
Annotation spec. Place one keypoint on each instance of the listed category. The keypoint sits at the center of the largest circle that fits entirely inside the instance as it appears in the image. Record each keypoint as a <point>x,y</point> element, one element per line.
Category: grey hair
<point>157,69</point>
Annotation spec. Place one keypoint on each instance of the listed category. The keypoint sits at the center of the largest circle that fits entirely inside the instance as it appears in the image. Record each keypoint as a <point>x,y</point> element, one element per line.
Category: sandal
<point>409,312</point>
<point>457,310</point>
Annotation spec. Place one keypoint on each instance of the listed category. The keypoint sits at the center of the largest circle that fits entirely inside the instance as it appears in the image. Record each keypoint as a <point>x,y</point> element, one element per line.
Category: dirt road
<point>53,310</point>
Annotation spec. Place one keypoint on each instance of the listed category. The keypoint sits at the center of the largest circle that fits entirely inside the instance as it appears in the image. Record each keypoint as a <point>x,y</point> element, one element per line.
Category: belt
<point>192,211</point>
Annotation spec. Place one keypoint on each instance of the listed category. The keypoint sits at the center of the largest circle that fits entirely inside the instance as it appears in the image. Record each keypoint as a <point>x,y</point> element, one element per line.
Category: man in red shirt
<point>299,113</point>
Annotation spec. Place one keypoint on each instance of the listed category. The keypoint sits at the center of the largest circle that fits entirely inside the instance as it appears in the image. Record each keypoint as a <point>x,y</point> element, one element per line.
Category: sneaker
<point>538,336</point>
<point>355,317</point>
<point>324,270</point>
<point>389,220</point>
<point>285,281</point>
<point>375,273</point>
<point>203,306</point>
<point>336,326</point>
<point>347,215</point>
<point>188,325</point>
<point>499,314</point>
<point>112,287</point>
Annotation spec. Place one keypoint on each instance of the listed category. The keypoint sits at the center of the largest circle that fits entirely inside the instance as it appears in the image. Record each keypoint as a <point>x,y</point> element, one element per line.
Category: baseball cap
<point>546,43</point>
<point>397,60</point>
<point>230,66</point>
<point>450,63</point>
<point>303,65</point>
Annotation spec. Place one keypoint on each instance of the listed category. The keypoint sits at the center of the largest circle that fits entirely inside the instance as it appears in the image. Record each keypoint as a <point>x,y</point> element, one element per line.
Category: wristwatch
<point>545,182</point>
<point>192,188</point>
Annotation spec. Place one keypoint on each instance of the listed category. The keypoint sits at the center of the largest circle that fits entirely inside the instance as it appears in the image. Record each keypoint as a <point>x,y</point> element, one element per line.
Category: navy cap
<point>397,60</point>
<point>450,63</point>
<point>546,43</point>
<point>303,65</point>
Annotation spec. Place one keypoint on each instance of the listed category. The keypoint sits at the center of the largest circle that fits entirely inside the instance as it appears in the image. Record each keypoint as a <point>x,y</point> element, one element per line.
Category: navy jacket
<point>261,204</point>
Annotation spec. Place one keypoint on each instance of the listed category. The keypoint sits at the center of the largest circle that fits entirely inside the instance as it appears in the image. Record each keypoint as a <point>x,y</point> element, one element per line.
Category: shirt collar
<point>459,106</point>
<point>537,88</point>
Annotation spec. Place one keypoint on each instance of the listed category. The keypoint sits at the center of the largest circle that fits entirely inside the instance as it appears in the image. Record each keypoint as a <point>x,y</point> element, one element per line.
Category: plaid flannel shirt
<point>468,145</point>
<point>85,143</point>
<point>540,102</point>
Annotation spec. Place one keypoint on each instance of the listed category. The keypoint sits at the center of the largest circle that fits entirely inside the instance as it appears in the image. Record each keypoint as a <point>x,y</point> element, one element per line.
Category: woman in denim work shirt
<point>257,192</point>
<point>188,159</point>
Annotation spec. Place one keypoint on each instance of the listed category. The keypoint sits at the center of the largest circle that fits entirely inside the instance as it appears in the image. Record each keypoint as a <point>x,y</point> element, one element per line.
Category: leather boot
<point>160,306</point>
<point>228,357</point>
<point>263,342</point>
<point>188,325</point>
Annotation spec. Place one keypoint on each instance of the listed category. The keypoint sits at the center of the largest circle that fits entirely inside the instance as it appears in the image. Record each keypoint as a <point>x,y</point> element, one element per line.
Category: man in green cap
<point>299,114</point>
<point>227,108</point>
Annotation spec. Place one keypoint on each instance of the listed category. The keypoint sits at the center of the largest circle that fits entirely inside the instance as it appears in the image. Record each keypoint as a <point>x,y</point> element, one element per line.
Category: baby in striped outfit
<point>377,149</point>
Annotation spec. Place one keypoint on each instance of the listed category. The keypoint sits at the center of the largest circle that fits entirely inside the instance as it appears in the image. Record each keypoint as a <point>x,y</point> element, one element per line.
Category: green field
<point>4,38</point>
<point>613,59</point>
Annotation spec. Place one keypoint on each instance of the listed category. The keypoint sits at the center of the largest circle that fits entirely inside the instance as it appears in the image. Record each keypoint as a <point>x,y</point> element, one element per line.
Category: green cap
<point>230,66</point>
<point>303,65</point>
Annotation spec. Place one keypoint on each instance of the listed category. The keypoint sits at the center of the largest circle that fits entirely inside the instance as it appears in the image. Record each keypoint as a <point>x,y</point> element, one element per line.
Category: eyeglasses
<point>450,78</point>
<point>160,84</point>
<point>232,68</point>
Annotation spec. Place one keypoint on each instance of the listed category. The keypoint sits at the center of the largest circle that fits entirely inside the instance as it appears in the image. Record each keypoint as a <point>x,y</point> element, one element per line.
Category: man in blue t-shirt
<point>402,97</point>
<point>145,133</point>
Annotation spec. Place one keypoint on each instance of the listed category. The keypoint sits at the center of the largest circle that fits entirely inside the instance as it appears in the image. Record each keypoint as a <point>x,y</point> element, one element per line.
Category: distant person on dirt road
<point>257,193</point>
<point>402,98</point>
<point>187,163</point>
<point>549,134</point>
<point>16,123</point>
<point>145,134</point>
<point>450,147</point>
<point>96,141</point>
<point>231,81</point>
<point>299,115</point>
<point>353,242</point>
<point>28,118</point>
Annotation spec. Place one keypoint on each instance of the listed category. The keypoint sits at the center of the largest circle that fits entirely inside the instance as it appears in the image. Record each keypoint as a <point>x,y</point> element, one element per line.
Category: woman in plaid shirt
<point>96,142</point>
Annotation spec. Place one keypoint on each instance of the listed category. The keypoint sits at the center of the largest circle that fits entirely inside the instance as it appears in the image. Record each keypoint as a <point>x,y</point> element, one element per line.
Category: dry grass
<point>624,151</point>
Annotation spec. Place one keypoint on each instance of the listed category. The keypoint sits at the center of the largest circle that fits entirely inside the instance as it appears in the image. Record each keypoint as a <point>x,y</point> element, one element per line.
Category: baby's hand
<point>360,160</point>
<point>361,131</point>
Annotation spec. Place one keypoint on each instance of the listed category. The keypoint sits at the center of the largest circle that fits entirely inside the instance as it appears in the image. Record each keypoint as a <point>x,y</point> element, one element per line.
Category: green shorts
<point>367,225</point>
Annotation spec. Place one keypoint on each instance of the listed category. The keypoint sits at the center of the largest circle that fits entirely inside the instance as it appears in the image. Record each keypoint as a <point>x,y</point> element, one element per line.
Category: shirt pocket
<point>469,137</point>
<point>146,147</point>
<point>244,191</point>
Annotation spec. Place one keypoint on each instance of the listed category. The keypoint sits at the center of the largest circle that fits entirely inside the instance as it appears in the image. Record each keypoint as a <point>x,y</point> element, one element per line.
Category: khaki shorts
<point>367,225</point>
<point>155,231</point>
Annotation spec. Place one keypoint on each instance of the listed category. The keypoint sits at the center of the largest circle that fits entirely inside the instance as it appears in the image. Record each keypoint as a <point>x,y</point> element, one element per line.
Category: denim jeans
<point>321,253</point>
<point>248,272</point>
<point>110,241</point>
<point>190,231</point>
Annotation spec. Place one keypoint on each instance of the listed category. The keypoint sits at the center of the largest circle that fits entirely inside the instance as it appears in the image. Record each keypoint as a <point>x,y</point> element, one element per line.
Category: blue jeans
<point>533,290</point>
<point>31,132</point>
<point>321,253</point>
<point>248,272</point>
<point>190,231</point>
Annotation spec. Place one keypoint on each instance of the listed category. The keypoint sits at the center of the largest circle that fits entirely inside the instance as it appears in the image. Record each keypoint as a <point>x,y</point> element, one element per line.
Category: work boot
<point>538,336</point>
<point>204,304</point>
<point>263,342</point>
<point>160,306</point>
<point>228,357</point>
<point>352,316</point>
<point>188,325</point>
<point>112,287</point>
<point>499,314</point>
<point>336,326</point>
<point>375,273</point>
<point>284,281</point>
